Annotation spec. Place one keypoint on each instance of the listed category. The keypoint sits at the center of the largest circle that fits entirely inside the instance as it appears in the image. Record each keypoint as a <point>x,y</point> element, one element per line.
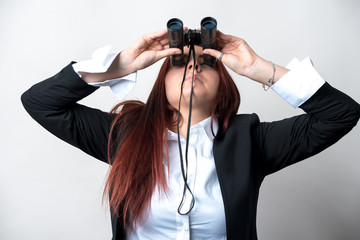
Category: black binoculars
<point>178,38</point>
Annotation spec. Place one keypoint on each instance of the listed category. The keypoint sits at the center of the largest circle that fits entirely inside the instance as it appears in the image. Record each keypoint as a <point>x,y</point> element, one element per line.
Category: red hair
<point>136,144</point>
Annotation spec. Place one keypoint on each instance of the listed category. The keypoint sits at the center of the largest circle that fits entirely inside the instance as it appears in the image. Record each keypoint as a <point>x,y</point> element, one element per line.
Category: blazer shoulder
<point>244,120</point>
<point>239,123</point>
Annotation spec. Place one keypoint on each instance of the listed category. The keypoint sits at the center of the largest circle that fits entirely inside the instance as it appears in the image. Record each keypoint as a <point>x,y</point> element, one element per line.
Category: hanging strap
<point>184,170</point>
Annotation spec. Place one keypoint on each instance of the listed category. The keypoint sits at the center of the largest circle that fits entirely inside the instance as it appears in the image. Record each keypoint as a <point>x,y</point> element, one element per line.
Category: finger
<point>155,36</point>
<point>168,52</point>
<point>158,34</point>
<point>164,42</point>
<point>212,52</point>
<point>220,44</point>
<point>163,33</point>
<point>223,36</point>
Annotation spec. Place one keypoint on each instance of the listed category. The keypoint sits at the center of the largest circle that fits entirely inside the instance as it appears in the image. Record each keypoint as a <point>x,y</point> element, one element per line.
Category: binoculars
<point>178,38</point>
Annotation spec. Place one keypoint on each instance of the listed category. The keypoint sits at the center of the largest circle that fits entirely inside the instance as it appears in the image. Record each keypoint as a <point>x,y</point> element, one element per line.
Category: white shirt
<point>207,219</point>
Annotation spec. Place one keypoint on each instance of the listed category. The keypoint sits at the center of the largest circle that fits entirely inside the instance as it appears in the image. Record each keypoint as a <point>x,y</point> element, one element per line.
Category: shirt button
<point>184,227</point>
<point>195,130</point>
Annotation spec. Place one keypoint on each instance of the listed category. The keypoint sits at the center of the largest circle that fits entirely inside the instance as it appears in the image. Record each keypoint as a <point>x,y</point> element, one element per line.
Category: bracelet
<point>271,80</point>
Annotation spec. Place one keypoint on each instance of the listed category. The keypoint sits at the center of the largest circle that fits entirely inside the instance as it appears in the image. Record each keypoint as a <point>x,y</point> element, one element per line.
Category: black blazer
<point>247,152</point>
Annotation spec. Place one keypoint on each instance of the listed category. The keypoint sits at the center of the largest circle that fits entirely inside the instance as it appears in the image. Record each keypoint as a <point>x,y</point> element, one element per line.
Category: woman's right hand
<point>144,52</point>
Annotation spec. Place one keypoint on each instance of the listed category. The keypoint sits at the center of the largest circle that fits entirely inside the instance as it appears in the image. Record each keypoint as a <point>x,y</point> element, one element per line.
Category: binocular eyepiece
<point>178,38</point>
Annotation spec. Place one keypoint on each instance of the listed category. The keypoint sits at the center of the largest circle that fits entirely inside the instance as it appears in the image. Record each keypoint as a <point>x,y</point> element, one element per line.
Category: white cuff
<point>119,86</point>
<point>300,83</point>
<point>100,61</point>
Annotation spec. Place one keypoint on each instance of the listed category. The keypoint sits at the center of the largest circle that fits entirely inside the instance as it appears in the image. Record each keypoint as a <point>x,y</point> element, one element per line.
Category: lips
<point>190,76</point>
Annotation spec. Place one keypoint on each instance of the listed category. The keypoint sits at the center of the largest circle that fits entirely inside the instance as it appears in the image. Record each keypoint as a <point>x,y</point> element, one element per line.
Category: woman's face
<point>206,83</point>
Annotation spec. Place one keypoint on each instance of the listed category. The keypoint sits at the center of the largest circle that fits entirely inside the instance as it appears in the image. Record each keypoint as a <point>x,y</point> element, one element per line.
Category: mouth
<point>190,77</point>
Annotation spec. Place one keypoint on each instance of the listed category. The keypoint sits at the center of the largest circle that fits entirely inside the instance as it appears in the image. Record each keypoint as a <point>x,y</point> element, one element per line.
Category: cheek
<point>216,81</point>
<point>214,92</point>
<point>171,90</point>
<point>168,92</point>
<point>215,85</point>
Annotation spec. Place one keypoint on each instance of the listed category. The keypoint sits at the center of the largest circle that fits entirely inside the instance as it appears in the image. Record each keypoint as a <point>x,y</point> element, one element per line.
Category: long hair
<point>137,142</point>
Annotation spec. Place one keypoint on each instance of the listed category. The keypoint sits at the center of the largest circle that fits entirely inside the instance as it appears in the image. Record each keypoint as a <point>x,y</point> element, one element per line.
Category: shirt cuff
<point>100,61</point>
<point>300,83</point>
<point>119,86</point>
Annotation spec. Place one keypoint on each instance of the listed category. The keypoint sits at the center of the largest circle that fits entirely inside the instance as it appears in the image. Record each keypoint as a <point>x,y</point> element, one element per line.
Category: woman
<point>229,154</point>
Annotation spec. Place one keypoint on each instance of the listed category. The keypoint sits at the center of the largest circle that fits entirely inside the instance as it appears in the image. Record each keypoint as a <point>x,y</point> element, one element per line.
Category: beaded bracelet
<point>271,80</point>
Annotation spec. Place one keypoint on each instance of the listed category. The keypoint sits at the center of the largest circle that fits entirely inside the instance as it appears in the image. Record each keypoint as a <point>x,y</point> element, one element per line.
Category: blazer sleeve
<point>330,115</point>
<point>53,104</point>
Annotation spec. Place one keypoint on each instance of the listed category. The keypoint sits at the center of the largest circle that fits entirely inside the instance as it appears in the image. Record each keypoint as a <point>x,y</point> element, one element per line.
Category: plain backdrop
<point>50,190</point>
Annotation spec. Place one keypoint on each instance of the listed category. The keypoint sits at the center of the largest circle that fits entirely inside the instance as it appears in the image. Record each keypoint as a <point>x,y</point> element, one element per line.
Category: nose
<point>191,65</point>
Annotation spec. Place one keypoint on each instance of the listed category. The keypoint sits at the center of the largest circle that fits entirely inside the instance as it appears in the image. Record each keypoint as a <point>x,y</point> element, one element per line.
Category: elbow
<point>30,104</point>
<point>356,117</point>
<point>349,118</point>
<point>353,113</point>
<point>25,99</point>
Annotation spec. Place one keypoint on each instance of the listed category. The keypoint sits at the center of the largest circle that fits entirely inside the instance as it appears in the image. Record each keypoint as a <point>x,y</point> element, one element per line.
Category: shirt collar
<point>205,124</point>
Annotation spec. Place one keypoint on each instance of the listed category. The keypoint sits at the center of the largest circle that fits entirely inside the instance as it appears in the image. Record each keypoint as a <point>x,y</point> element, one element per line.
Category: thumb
<point>168,52</point>
<point>212,52</point>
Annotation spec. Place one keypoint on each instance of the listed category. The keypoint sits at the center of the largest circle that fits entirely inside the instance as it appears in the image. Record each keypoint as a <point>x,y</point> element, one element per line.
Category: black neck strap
<point>184,169</point>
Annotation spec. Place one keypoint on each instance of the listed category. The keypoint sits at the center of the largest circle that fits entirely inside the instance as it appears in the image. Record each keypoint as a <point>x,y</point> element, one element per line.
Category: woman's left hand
<point>240,58</point>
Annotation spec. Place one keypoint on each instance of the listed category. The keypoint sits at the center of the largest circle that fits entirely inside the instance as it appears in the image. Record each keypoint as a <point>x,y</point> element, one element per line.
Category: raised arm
<point>53,102</point>
<point>144,52</point>
<point>242,59</point>
<point>330,113</point>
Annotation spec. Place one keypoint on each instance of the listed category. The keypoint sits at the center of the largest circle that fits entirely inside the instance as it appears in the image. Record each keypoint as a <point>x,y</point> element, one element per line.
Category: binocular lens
<point>175,24</point>
<point>208,25</point>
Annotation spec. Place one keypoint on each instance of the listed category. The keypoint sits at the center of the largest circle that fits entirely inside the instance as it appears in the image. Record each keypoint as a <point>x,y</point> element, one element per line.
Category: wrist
<point>119,67</point>
<point>263,70</point>
<point>94,77</point>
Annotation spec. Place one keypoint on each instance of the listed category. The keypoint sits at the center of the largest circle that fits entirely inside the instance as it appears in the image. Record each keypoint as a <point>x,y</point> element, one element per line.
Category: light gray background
<point>50,190</point>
